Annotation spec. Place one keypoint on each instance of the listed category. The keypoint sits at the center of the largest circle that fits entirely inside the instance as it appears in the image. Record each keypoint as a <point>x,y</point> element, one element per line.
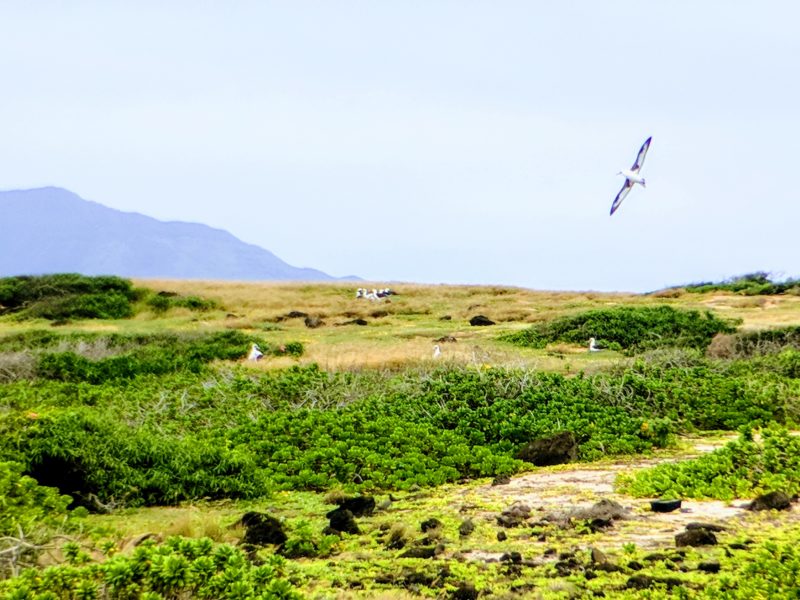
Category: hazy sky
<point>431,141</point>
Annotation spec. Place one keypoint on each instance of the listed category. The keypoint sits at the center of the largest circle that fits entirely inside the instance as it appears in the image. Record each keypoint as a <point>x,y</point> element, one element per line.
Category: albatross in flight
<point>632,176</point>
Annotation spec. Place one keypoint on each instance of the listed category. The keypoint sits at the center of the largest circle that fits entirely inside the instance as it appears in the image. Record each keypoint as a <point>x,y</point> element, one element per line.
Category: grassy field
<point>467,410</point>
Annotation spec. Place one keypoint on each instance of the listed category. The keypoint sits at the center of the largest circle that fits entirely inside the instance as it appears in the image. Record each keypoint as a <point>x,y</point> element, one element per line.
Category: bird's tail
<point>644,183</point>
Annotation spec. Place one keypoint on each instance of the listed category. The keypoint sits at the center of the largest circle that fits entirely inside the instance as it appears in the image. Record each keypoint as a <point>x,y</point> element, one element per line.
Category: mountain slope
<point>52,230</point>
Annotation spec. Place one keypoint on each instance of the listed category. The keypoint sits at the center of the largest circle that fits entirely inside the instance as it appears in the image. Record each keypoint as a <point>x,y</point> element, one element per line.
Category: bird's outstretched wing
<point>626,187</point>
<point>640,157</point>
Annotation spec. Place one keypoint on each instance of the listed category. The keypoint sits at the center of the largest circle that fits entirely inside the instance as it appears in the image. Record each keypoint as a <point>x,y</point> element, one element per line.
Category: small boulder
<point>343,521</point>
<point>771,501</point>
<point>709,566</point>
<point>664,506</point>
<point>360,506</point>
<point>556,449</point>
<point>600,514</point>
<point>480,321</point>
<point>446,318</point>
<point>707,526</point>
<point>421,552</point>
<point>262,529</point>
<point>597,556</point>
<point>466,527</point>
<point>313,322</point>
<point>514,515</point>
<point>464,591</point>
<point>696,537</point>
<point>428,524</point>
<point>501,536</point>
<point>501,480</point>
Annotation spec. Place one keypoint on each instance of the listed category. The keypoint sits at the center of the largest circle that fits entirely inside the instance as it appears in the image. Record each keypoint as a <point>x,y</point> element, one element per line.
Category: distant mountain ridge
<point>52,230</point>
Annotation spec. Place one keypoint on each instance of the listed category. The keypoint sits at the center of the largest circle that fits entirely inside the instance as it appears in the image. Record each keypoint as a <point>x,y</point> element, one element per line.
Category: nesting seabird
<point>437,352</point>
<point>255,353</point>
<point>632,176</point>
<point>593,345</point>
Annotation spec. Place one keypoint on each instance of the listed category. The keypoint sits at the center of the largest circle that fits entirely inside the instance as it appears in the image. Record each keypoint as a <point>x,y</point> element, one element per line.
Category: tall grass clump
<point>627,328</point>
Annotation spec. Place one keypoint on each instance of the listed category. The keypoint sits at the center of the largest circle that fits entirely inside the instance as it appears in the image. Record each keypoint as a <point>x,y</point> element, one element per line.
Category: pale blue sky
<point>431,141</point>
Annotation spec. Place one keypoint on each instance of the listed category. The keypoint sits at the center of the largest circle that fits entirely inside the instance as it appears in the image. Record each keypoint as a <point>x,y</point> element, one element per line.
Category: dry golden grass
<point>403,329</point>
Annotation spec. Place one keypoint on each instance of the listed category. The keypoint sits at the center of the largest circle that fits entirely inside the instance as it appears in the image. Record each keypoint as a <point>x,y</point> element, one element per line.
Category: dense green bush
<point>66,296</point>
<point>627,328</point>
<point>750,284</point>
<point>179,568</point>
<point>161,302</point>
<point>743,468</point>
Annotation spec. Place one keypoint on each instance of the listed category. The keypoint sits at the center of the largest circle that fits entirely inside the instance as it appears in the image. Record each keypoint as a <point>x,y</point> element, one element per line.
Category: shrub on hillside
<point>749,284</point>
<point>743,468</point>
<point>628,328</point>
<point>747,344</point>
<point>70,295</point>
<point>161,302</point>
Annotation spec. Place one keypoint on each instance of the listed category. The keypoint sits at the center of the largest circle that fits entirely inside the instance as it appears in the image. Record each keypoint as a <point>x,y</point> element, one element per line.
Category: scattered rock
<point>342,520</point>
<point>644,582</point>
<point>262,529</point>
<point>360,506</point>
<point>597,556</point>
<point>501,536</point>
<point>655,556</point>
<point>664,506</point>
<point>446,318</point>
<point>709,566</point>
<point>501,480</point>
<point>514,515</point>
<point>379,314</point>
<point>771,501</point>
<point>696,537</point>
<point>428,524</point>
<point>480,321</point>
<point>635,565</point>
<point>467,527</point>
<point>706,526</point>
<point>446,339</point>
<point>421,552</point>
<point>600,515</point>
<point>552,450</point>
<point>314,322</point>
<point>361,322</point>
<point>464,591</point>
<point>511,557</point>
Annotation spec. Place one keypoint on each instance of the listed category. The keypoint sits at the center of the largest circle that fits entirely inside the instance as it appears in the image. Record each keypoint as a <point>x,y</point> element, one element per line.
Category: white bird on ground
<point>360,292</point>
<point>255,353</point>
<point>593,345</point>
<point>437,352</point>
<point>632,176</point>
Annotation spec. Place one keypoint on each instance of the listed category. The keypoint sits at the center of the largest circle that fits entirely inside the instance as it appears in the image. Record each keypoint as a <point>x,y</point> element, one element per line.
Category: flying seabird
<point>632,176</point>
<point>255,352</point>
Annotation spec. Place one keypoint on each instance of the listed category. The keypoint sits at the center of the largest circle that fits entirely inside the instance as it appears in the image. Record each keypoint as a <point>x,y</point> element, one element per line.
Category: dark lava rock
<point>665,506</point>
<point>361,322</point>
<point>709,566</point>
<point>480,321</point>
<point>421,552</point>
<point>597,556</point>
<point>446,318</point>
<point>429,524</point>
<point>342,520</point>
<point>737,546</point>
<point>464,591</point>
<point>446,339</point>
<point>379,314</point>
<point>635,565</point>
<point>771,501</point>
<point>467,527</point>
<point>501,536</point>
<point>696,537</point>
<point>511,557</point>
<point>706,526</point>
<point>601,514</point>
<point>514,515</point>
<point>501,480</point>
<point>314,322</point>
<point>608,567</point>
<point>261,529</point>
<point>567,567</point>
<point>656,556</point>
<point>411,577</point>
<point>359,505</point>
<point>556,449</point>
<point>644,582</point>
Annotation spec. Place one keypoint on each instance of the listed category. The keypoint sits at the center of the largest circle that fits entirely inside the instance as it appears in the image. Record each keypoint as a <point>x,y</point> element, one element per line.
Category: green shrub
<point>161,302</point>
<point>179,568</point>
<point>741,469</point>
<point>627,328</point>
<point>65,296</point>
<point>750,284</point>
